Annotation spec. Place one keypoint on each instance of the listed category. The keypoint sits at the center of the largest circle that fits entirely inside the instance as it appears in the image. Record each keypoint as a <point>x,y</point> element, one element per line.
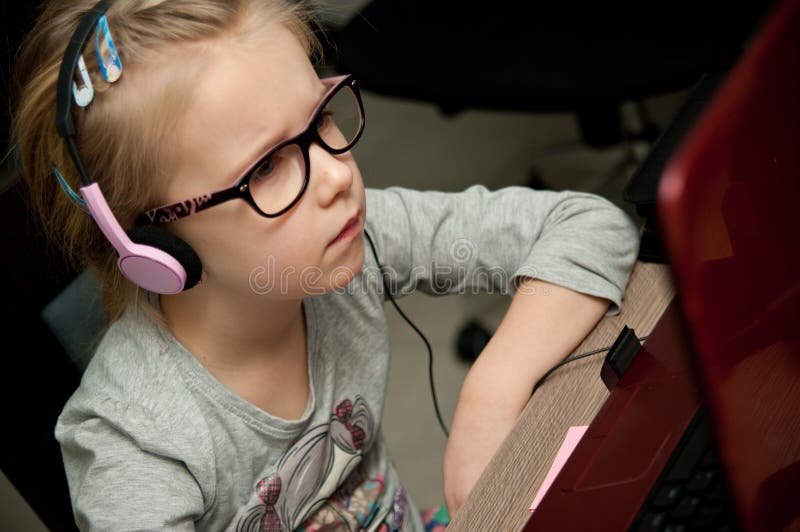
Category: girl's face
<point>250,97</point>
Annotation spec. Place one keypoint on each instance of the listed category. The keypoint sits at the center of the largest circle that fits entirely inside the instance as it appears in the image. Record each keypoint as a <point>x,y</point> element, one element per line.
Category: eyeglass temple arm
<point>176,211</point>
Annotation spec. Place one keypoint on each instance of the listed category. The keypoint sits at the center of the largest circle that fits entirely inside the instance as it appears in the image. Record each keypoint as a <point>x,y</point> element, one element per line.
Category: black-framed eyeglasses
<point>277,180</point>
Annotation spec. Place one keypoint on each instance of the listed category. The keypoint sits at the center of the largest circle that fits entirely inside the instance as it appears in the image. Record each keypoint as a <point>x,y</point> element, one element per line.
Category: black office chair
<point>39,372</point>
<point>589,60</point>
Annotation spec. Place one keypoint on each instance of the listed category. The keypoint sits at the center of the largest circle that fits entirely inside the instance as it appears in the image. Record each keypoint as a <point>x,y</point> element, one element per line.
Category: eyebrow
<point>273,141</point>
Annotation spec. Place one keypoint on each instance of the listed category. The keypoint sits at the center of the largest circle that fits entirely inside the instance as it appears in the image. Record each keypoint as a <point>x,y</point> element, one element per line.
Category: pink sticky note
<point>574,435</point>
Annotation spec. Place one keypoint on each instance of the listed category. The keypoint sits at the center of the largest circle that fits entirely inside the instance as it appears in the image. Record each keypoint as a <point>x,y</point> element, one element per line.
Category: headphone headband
<point>155,260</point>
<point>64,123</point>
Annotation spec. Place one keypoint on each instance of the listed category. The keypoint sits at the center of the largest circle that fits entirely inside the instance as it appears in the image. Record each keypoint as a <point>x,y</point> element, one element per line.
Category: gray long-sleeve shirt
<point>151,440</point>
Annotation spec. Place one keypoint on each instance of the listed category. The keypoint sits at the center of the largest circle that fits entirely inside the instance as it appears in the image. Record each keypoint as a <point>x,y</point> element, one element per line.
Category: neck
<point>229,332</point>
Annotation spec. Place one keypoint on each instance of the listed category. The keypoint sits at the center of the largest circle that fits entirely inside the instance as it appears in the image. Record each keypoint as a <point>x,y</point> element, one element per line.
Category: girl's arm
<point>565,256</point>
<point>479,240</point>
<point>543,325</point>
<point>119,471</point>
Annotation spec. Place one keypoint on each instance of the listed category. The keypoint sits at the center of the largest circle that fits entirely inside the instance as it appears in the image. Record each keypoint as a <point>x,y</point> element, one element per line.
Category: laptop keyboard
<point>691,493</point>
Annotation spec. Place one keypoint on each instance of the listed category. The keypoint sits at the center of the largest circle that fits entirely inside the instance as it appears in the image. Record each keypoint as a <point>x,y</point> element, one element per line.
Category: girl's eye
<point>264,169</point>
<point>325,119</point>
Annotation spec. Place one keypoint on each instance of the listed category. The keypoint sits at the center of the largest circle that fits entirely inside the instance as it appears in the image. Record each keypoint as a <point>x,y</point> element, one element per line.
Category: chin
<point>343,273</point>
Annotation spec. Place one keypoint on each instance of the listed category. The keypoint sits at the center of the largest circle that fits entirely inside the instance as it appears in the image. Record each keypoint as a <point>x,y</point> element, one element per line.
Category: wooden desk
<point>572,395</point>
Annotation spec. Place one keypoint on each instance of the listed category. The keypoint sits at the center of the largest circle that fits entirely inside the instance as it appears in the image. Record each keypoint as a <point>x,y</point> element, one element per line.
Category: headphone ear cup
<point>172,244</point>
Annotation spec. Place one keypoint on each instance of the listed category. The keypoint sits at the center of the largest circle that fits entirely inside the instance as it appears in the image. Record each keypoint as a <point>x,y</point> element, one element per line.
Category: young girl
<point>250,396</point>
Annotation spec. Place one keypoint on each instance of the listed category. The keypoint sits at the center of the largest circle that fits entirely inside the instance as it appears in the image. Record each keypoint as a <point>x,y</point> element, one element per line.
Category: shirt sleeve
<point>118,479</point>
<point>481,240</point>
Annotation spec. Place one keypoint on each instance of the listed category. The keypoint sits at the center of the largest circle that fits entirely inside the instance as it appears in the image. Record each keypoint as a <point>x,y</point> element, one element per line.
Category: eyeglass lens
<point>278,179</point>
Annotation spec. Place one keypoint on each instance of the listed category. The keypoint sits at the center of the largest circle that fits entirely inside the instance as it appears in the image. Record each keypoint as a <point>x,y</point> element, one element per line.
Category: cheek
<point>231,244</point>
<point>303,278</point>
<point>285,251</point>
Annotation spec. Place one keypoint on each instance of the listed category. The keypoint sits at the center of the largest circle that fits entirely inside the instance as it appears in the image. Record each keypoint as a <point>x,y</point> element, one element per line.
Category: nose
<point>331,173</point>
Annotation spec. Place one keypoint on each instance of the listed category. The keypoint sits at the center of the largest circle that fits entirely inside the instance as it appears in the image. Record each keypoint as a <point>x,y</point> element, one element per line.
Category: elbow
<point>615,231</point>
<point>614,236</point>
<point>621,237</point>
<point>625,236</point>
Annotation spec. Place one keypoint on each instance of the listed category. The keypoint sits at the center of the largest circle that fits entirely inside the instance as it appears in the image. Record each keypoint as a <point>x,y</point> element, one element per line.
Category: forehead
<point>249,91</point>
<point>264,73</point>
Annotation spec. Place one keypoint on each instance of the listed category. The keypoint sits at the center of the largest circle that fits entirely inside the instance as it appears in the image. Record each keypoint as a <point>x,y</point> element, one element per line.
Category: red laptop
<point>702,432</point>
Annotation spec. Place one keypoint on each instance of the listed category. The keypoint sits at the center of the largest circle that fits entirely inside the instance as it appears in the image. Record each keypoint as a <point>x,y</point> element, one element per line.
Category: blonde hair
<point>123,135</point>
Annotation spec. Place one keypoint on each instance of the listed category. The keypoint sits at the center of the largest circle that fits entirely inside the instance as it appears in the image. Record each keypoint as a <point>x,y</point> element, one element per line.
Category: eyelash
<point>324,118</point>
<point>256,170</point>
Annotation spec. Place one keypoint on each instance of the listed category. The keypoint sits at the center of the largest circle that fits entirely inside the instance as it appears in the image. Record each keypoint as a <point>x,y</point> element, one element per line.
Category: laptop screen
<point>728,211</point>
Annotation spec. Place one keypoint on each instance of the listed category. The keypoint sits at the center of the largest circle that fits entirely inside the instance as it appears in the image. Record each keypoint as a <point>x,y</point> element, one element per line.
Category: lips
<point>348,227</point>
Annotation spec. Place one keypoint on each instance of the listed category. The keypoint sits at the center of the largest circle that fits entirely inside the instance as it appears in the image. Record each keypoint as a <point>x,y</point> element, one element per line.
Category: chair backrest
<point>39,374</point>
<point>547,57</point>
<point>75,316</point>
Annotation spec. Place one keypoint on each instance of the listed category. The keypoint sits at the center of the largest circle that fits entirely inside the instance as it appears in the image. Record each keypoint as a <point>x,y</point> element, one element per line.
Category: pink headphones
<point>150,257</point>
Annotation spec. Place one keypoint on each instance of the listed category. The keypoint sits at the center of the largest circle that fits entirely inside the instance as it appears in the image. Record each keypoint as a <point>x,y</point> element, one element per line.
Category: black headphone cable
<point>430,351</point>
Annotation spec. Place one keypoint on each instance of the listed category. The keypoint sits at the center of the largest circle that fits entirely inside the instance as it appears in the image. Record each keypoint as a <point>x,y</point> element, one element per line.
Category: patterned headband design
<point>107,56</point>
<point>107,59</point>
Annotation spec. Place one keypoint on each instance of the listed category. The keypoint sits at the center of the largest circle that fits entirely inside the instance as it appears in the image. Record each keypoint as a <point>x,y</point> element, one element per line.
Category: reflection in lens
<point>340,119</point>
<point>277,179</point>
